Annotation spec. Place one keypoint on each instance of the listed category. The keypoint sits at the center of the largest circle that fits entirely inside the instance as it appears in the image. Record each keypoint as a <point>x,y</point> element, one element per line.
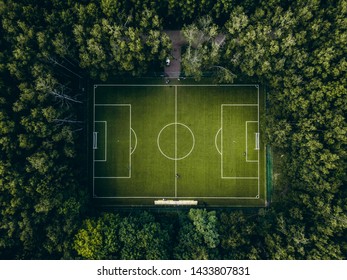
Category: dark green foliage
<point>111,236</point>
<point>240,237</point>
<point>203,51</point>
<point>37,181</point>
<point>198,236</point>
<point>297,49</point>
<point>117,40</point>
<point>143,238</point>
<point>294,50</point>
<point>40,199</point>
<point>98,238</point>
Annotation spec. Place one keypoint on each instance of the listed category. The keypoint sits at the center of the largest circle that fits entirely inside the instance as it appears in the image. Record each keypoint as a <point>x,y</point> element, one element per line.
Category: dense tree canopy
<point>50,49</point>
<point>203,51</point>
<point>198,236</point>
<point>111,236</point>
<point>116,40</point>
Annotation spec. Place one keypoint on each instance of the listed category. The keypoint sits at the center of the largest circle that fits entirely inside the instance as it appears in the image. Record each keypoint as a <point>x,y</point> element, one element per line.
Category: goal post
<point>95,140</point>
<point>257,140</point>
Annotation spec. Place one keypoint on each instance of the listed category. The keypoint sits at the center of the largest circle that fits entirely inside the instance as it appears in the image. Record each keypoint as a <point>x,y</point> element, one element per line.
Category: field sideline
<point>178,142</point>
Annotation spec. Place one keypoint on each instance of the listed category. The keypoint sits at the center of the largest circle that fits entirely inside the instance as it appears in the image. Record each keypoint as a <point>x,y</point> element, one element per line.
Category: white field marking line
<point>134,133</point>
<point>247,160</point>
<point>102,177</point>
<point>158,141</point>
<point>105,140</point>
<point>221,142</point>
<point>242,105</point>
<point>264,177</point>
<point>179,197</point>
<point>113,104</point>
<point>215,141</point>
<point>222,175</point>
<point>201,85</point>
<point>242,178</point>
<point>259,147</point>
<point>129,167</point>
<point>165,85</point>
<point>175,142</point>
<point>246,142</point>
<point>94,150</point>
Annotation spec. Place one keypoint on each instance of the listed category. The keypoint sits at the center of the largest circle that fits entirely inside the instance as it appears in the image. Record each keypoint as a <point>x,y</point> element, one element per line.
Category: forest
<point>50,49</point>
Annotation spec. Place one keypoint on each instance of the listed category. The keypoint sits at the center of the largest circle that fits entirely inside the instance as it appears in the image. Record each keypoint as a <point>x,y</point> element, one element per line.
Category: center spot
<point>176,141</point>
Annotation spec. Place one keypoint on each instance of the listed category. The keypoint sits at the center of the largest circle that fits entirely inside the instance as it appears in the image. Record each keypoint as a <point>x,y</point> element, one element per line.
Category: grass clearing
<point>178,142</point>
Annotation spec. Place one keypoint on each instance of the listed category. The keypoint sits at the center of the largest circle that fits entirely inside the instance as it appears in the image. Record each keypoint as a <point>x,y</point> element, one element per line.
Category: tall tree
<point>113,237</point>
<point>203,50</point>
<point>198,236</point>
<point>123,44</point>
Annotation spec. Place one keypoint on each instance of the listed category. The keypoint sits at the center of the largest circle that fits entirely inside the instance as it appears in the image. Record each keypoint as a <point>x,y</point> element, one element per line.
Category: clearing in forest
<point>178,142</point>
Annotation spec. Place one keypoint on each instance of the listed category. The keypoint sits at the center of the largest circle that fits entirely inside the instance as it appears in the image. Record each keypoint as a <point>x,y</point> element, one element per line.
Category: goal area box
<point>178,145</point>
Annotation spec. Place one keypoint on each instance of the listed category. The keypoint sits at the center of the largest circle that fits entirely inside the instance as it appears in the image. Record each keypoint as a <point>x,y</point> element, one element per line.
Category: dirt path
<point>174,70</point>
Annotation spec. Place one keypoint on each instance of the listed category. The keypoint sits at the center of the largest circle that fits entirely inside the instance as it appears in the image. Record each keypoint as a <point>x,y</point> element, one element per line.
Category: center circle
<point>176,141</point>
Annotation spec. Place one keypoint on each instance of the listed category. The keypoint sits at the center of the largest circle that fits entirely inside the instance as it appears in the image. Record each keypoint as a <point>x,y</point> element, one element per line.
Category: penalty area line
<point>175,141</point>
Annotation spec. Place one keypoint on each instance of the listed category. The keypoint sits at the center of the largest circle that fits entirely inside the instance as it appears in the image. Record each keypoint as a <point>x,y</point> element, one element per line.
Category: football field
<point>169,144</point>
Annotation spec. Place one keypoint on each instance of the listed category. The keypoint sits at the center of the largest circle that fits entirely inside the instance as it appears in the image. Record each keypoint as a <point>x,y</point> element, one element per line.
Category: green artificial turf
<point>178,142</point>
